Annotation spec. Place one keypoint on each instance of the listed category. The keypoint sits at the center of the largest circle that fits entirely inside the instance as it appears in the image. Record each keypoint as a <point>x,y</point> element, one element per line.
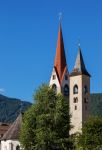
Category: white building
<point>10,140</point>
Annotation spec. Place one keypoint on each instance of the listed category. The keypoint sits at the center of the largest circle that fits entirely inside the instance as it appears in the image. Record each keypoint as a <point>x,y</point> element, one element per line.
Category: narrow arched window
<point>75,107</point>
<point>54,87</point>
<point>85,100</point>
<point>75,89</point>
<point>85,89</point>
<point>17,147</point>
<point>66,90</point>
<point>54,77</point>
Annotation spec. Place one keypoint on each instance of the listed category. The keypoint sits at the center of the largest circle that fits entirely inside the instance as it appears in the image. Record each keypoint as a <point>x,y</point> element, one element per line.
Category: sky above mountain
<point>28,38</point>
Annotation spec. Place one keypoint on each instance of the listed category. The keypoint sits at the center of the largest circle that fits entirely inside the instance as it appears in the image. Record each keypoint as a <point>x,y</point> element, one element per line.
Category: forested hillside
<point>96,104</point>
<point>11,107</point>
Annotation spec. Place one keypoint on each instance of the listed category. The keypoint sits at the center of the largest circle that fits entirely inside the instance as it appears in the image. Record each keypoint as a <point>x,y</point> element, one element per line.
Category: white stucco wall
<point>9,145</point>
<point>55,81</point>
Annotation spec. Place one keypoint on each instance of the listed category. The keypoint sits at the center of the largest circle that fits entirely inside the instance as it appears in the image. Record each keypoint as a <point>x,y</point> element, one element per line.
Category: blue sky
<point>28,37</point>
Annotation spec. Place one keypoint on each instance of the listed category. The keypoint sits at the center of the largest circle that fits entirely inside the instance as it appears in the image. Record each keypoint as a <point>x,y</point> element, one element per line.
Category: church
<point>75,86</point>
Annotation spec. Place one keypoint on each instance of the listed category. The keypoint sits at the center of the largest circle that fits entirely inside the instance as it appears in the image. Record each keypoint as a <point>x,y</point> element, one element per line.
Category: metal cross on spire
<point>60,17</point>
<point>79,42</point>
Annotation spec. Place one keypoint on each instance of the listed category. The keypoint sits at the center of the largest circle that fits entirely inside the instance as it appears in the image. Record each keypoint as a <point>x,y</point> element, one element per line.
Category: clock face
<point>66,90</point>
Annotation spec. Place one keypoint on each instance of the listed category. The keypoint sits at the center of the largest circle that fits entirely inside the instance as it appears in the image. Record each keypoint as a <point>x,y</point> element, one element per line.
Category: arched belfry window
<point>54,87</point>
<point>66,90</point>
<point>75,89</point>
<point>85,89</point>
<point>17,148</point>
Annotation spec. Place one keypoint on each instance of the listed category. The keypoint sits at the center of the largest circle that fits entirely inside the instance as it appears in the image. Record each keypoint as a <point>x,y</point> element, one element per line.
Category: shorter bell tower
<point>59,80</point>
<point>79,94</point>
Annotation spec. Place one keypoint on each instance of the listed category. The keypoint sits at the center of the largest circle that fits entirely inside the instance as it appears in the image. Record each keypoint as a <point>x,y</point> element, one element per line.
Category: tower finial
<point>60,17</point>
<point>79,42</point>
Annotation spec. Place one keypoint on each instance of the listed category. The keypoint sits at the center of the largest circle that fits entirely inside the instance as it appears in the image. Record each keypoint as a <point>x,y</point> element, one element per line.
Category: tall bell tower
<point>79,94</point>
<point>59,80</point>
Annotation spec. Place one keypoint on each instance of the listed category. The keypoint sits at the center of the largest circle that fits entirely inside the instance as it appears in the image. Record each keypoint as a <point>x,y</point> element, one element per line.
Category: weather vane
<point>60,16</point>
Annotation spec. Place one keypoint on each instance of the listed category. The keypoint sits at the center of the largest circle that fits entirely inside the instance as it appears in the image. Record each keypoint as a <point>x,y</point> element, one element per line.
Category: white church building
<point>74,86</point>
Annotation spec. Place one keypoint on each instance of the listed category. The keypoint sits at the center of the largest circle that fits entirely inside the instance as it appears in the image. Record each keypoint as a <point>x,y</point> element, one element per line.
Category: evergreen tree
<point>46,124</point>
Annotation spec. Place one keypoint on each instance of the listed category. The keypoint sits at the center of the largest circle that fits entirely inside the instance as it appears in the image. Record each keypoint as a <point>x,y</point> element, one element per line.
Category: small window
<point>75,107</point>
<point>54,87</point>
<point>75,89</point>
<point>85,100</point>
<point>54,77</point>
<point>85,89</point>
<point>66,90</point>
<point>75,100</point>
<point>66,77</point>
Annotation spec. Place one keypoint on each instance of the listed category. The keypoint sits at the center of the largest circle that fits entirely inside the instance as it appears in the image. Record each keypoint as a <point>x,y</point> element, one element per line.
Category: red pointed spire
<point>60,59</point>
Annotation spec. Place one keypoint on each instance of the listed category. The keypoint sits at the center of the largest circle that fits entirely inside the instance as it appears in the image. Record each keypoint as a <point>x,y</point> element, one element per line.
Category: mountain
<point>96,104</point>
<point>10,108</point>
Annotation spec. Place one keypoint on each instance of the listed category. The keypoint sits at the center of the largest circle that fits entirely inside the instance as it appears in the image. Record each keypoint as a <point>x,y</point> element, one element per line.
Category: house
<point>3,128</point>
<point>10,140</point>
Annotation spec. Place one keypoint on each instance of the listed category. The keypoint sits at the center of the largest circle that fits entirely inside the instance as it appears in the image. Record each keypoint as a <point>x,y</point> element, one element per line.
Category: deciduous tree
<point>46,124</point>
<point>91,137</point>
